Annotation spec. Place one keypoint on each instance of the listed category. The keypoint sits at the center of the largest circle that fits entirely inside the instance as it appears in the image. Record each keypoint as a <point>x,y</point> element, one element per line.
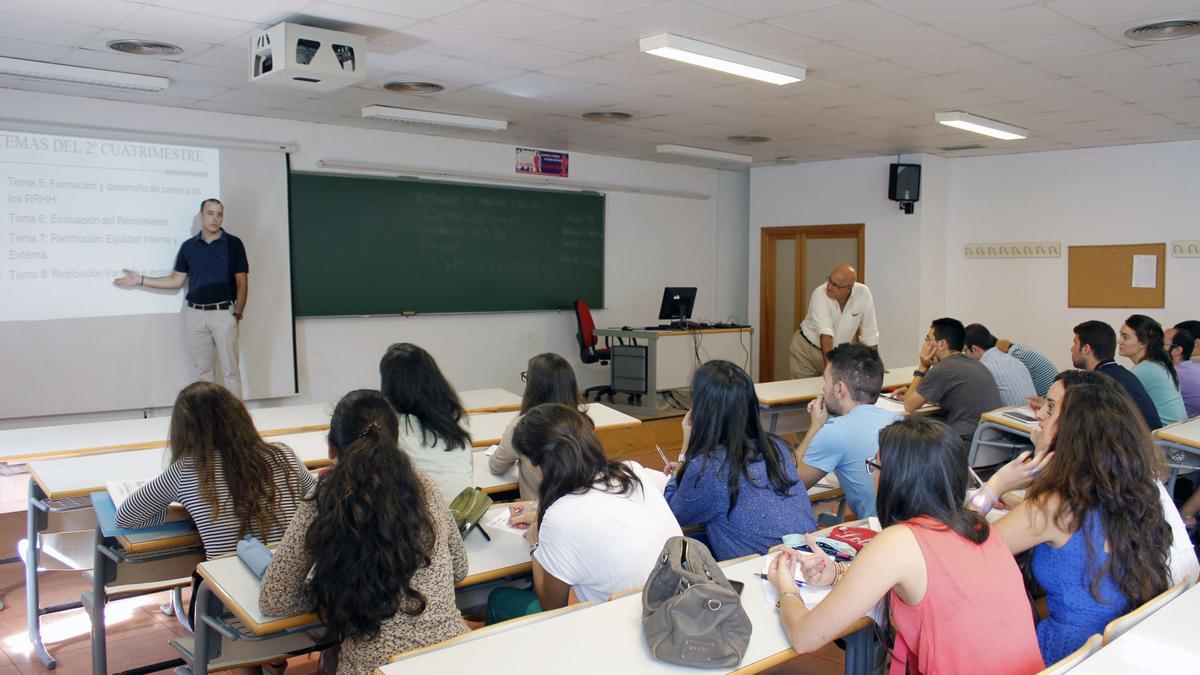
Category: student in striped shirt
<point>1041,370</point>
<point>229,479</point>
<point>1012,379</point>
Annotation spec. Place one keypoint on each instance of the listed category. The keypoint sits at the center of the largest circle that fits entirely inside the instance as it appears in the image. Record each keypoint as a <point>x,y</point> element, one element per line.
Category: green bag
<point>468,507</point>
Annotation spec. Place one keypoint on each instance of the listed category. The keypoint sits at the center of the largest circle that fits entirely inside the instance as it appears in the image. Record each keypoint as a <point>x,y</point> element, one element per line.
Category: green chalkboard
<point>388,246</point>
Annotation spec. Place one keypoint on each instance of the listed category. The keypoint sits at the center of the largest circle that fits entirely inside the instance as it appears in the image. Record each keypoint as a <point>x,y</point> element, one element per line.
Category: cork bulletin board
<point>1102,276</point>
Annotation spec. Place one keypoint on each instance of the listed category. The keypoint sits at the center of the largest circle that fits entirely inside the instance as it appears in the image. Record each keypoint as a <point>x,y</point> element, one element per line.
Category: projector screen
<point>78,210</point>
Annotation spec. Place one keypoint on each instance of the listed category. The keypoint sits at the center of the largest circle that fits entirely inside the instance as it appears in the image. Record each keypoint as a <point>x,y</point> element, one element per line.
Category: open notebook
<point>120,490</point>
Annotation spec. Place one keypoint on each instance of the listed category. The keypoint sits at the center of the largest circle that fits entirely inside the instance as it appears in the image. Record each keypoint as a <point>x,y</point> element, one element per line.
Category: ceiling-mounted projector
<point>303,57</point>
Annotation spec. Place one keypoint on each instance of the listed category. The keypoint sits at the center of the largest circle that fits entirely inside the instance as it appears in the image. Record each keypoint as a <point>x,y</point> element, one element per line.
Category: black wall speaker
<point>904,182</point>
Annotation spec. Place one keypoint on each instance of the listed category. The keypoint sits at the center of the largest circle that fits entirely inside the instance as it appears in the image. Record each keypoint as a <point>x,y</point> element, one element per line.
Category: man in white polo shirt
<point>836,311</point>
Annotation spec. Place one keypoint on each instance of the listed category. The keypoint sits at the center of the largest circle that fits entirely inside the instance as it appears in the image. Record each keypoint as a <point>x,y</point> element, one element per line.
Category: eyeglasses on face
<point>524,375</point>
<point>873,465</point>
<point>831,284</point>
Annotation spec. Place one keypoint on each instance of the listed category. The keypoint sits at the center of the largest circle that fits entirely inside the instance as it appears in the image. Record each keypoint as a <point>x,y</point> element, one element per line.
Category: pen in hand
<point>799,583</point>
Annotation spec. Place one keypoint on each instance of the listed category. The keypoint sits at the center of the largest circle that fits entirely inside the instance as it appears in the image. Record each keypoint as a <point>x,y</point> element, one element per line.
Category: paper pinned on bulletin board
<point>1145,271</point>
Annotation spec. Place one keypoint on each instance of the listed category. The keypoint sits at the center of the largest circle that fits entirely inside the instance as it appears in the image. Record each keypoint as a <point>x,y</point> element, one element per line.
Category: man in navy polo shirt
<point>213,263</point>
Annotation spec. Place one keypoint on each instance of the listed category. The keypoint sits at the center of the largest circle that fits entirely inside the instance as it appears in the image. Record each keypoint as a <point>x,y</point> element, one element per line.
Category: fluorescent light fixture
<point>40,70</point>
<point>721,58</point>
<point>981,125</point>
<point>702,153</point>
<point>384,112</point>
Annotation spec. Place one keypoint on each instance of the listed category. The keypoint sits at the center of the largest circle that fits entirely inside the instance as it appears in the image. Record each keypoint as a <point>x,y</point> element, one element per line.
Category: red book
<point>854,536</point>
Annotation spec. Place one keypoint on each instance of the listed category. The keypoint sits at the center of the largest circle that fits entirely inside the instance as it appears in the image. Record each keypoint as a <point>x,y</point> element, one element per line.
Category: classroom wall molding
<point>1185,249</point>
<point>487,178</point>
<point>1013,249</point>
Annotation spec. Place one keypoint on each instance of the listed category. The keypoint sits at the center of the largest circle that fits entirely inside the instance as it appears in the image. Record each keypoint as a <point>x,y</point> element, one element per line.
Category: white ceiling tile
<point>439,39</point>
<point>1091,64</point>
<point>907,41</point>
<point>1075,101</point>
<point>589,37</point>
<point>362,18</point>
<point>403,61</point>
<point>673,16</point>
<point>600,71</point>
<point>36,51</point>
<point>466,71</point>
<point>587,9</point>
<point>823,56</point>
<point>1171,107</point>
<point>756,38</point>
<point>1009,24</point>
<point>94,12</point>
<point>841,97</point>
<point>46,31</point>
<point>1169,53</point>
<point>1100,12</point>
<point>235,108</point>
<point>195,91</point>
<point>262,96</point>
<point>959,60</point>
<point>533,85</point>
<point>598,96</point>
<point>919,86</point>
<point>259,11</point>
<point>1027,91</point>
<point>110,60</point>
<point>840,22</point>
<point>219,56</point>
<point>867,74</point>
<point>1015,74</point>
<point>194,74</point>
<point>767,9</point>
<point>416,9</point>
<point>526,56</point>
<point>1191,70</point>
<point>169,23</point>
<point>501,17</point>
<point>669,84</point>
<point>1146,84</point>
<point>957,101</point>
<point>1057,45</point>
<point>941,10</point>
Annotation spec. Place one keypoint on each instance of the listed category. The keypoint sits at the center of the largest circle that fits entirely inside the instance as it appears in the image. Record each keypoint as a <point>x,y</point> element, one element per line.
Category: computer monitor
<point>677,304</point>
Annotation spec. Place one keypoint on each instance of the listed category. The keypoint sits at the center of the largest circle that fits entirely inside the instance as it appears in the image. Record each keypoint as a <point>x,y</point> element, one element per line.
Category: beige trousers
<point>805,359</point>
<point>211,329</point>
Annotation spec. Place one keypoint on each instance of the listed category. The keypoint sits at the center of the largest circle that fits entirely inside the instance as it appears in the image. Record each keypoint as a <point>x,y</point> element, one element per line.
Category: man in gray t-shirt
<point>963,388</point>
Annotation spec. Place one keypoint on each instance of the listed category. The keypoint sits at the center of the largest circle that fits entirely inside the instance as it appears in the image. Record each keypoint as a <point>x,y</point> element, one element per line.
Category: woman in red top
<point>957,600</point>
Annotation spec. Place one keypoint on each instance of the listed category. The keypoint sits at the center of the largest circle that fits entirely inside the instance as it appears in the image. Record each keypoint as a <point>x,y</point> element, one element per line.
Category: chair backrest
<point>586,331</point>
<point>1118,626</point>
<point>1076,657</point>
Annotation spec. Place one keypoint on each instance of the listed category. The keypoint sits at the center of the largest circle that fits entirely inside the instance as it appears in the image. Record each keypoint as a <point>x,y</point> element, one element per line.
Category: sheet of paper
<point>491,450</point>
<point>497,519</point>
<point>1145,271</point>
<point>120,490</point>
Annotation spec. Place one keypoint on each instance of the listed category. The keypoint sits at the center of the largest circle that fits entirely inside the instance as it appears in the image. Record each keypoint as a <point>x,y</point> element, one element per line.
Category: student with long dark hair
<point>373,548</point>
<point>599,525</point>
<point>432,419</point>
<point>957,600</point>
<point>229,479</point>
<point>1141,341</point>
<point>1094,516</point>
<point>548,379</point>
<point>736,480</point>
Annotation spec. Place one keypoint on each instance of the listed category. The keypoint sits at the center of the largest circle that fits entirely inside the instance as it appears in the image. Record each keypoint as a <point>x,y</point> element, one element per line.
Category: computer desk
<point>94,438</point>
<point>779,398</point>
<point>228,586</point>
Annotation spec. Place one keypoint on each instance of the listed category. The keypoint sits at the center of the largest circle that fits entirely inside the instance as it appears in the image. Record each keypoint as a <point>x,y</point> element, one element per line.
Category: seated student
<point>548,379</point>
<point>844,431</point>
<point>1041,370</point>
<point>1179,344</point>
<point>372,548</point>
<point>957,599</point>
<point>1094,347</point>
<point>1141,341</point>
<point>599,525</point>
<point>961,386</point>
<point>432,419</point>
<point>1093,517</point>
<point>736,480</point>
<point>1012,378</point>
<point>229,479</point>
<point>1183,560</point>
<point>1192,327</point>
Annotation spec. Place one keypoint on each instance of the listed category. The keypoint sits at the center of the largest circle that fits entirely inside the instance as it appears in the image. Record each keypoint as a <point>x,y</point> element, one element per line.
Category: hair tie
<point>371,426</point>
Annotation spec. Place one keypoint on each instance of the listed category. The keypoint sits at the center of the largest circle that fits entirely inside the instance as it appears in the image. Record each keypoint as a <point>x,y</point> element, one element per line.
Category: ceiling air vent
<point>1164,30</point>
<point>144,47</point>
<point>970,146</point>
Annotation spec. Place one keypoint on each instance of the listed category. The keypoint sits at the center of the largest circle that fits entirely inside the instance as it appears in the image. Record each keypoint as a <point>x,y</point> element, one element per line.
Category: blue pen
<point>799,584</point>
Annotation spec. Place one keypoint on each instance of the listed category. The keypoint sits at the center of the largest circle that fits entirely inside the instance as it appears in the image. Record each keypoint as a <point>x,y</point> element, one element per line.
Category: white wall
<point>846,192</point>
<point>650,242</point>
<point>1121,195</point>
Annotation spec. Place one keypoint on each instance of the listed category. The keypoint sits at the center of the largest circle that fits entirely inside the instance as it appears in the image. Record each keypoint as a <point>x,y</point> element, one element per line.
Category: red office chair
<point>588,353</point>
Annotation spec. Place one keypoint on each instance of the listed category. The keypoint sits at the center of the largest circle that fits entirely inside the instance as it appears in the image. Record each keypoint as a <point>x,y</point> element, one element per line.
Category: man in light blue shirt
<point>844,432</point>
<point>1012,377</point>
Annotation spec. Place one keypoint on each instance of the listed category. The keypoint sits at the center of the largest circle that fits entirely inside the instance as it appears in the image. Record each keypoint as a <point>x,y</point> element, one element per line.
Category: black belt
<point>208,308</point>
<point>801,332</point>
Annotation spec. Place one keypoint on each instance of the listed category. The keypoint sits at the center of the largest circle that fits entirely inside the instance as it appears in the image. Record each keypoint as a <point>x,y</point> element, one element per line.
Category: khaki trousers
<point>214,329</point>
<point>805,360</point>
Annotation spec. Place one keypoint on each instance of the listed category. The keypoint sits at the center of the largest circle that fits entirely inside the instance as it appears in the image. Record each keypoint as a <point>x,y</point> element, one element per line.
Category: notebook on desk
<point>106,518</point>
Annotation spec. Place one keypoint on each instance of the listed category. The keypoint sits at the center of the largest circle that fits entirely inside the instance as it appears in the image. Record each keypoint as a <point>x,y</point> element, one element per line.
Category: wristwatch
<point>918,373</point>
<point>237,315</point>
